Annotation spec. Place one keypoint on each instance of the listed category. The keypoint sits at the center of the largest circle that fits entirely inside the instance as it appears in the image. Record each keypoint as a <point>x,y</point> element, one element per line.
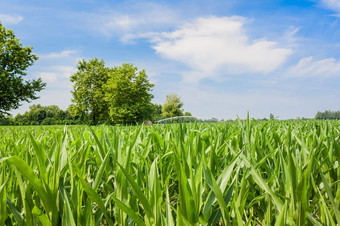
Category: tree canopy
<point>88,91</point>
<point>172,106</point>
<point>127,93</point>
<point>14,61</point>
<point>116,95</point>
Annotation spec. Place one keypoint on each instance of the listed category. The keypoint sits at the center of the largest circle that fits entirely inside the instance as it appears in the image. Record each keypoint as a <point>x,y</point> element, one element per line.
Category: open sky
<point>223,58</point>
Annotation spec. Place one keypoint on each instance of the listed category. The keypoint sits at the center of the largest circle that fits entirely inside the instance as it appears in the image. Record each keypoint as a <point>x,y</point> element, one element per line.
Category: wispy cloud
<point>55,68</point>
<point>210,45</point>
<point>10,19</point>
<point>57,73</point>
<point>62,54</point>
<point>308,67</point>
<point>332,4</point>
<point>135,19</point>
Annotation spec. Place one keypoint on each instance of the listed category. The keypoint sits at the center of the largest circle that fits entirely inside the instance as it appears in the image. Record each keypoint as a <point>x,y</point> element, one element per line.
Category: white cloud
<point>290,38</point>
<point>308,67</point>
<point>62,54</point>
<point>66,71</point>
<point>332,4</point>
<point>9,19</point>
<point>48,76</point>
<point>211,45</point>
<point>137,18</point>
<point>56,73</point>
<point>55,68</point>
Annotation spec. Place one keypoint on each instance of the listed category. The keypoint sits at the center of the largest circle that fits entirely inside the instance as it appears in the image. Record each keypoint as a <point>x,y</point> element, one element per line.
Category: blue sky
<point>223,58</point>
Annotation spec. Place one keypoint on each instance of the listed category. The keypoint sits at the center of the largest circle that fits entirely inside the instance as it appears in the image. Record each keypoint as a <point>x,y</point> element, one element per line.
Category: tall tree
<point>172,106</point>
<point>14,60</point>
<point>128,94</point>
<point>88,91</point>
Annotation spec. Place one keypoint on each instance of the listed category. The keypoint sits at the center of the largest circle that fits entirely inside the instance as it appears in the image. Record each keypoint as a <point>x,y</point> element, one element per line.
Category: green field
<point>238,173</point>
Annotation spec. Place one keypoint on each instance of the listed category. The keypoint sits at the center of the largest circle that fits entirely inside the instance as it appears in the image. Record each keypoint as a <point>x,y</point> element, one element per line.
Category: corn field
<point>238,173</point>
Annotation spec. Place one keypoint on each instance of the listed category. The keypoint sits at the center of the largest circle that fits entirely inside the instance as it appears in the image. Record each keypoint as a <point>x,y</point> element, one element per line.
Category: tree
<point>72,110</point>
<point>156,113</point>
<point>88,91</point>
<point>52,110</point>
<point>172,106</point>
<point>14,60</point>
<point>271,116</point>
<point>6,120</point>
<point>127,93</point>
<point>187,114</point>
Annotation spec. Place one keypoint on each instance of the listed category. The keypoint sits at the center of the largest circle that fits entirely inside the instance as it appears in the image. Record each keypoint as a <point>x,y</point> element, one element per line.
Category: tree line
<point>328,115</point>
<point>41,115</point>
<point>53,115</point>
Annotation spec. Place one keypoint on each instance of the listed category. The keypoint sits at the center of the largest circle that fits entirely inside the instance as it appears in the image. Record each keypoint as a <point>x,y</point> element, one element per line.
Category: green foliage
<point>237,173</point>
<point>88,91</point>
<point>328,115</point>
<point>14,60</point>
<point>127,93</point>
<point>41,115</point>
<point>187,114</point>
<point>156,112</point>
<point>172,106</point>
<point>6,120</point>
<point>116,95</point>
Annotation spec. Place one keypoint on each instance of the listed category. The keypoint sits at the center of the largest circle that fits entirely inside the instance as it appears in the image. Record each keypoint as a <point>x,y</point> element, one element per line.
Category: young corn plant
<point>246,172</point>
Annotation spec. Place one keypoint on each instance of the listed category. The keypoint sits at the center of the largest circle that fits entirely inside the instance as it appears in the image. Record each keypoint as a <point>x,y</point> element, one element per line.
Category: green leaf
<point>212,183</point>
<point>25,170</point>
<point>331,197</point>
<point>129,212</point>
<point>261,182</point>
<point>280,221</point>
<point>68,219</point>
<point>3,206</point>
<point>100,172</point>
<point>41,216</point>
<point>17,216</point>
<point>138,192</point>
<point>95,197</point>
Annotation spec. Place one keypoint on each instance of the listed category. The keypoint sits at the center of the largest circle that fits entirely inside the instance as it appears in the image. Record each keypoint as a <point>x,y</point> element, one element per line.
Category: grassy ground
<point>246,172</point>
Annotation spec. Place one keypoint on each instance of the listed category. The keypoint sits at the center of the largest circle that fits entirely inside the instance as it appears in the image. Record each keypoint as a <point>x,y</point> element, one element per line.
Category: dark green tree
<point>172,106</point>
<point>88,91</point>
<point>6,120</point>
<point>127,93</point>
<point>14,60</point>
